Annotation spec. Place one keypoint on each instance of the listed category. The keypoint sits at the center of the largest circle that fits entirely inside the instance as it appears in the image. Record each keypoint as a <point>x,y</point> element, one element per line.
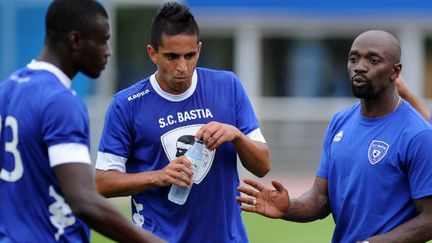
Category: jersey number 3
<point>11,147</point>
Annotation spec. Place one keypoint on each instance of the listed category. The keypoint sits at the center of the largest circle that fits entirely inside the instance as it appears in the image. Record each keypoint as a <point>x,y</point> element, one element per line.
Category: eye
<point>189,56</point>
<point>353,59</point>
<point>171,56</point>
<point>374,60</point>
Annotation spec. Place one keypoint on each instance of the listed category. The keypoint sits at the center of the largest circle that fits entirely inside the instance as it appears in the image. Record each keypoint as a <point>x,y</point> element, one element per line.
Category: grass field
<point>261,229</point>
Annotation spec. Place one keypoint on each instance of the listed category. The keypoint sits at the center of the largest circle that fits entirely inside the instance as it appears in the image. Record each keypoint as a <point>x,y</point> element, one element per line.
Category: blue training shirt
<point>146,128</point>
<point>43,124</point>
<point>375,168</point>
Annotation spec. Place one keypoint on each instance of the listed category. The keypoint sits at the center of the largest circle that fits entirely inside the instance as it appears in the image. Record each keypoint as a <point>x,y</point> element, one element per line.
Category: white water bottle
<point>178,194</point>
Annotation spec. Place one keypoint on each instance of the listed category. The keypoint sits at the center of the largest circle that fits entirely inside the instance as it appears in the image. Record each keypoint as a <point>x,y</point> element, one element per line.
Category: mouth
<point>181,79</point>
<point>102,67</point>
<point>359,81</point>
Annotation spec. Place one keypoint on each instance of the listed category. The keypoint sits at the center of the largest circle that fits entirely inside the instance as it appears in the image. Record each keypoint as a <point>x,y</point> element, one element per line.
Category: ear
<point>397,68</point>
<point>152,54</point>
<point>199,48</point>
<point>74,40</point>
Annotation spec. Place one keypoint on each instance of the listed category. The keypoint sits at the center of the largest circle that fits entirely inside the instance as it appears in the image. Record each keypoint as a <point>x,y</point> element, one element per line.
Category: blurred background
<point>290,55</point>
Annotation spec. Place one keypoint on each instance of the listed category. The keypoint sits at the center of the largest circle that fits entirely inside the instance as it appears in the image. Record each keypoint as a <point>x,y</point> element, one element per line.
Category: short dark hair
<point>64,16</point>
<point>172,19</point>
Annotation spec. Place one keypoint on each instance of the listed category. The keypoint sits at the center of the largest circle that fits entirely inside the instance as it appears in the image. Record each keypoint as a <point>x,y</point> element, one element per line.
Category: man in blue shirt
<point>375,175</point>
<point>150,121</point>
<point>46,179</point>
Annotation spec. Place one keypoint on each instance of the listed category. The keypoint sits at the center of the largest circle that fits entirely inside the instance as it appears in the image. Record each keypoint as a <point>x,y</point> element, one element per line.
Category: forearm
<point>308,207</point>
<point>76,182</point>
<point>419,229</point>
<point>100,215</point>
<point>255,156</point>
<point>118,184</point>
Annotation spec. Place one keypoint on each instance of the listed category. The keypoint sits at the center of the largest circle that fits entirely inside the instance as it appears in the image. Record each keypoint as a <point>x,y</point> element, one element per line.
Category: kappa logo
<point>377,150</point>
<point>137,95</point>
<point>338,136</point>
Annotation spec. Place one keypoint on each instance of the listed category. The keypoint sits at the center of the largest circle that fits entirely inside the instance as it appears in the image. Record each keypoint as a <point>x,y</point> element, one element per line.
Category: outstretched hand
<point>264,201</point>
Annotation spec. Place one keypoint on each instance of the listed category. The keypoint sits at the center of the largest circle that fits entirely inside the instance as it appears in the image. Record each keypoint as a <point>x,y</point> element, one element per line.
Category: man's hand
<point>178,171</point>
<point>213,134</point>
<point>264,201</point>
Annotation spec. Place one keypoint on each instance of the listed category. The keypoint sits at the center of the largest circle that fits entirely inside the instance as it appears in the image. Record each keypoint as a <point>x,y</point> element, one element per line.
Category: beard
<point>366,92</point>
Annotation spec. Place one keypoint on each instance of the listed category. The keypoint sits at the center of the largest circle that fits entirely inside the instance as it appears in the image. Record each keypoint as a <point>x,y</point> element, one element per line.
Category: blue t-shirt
<point>375,168</point>
<point>38,113</point>
<point>146,128</point>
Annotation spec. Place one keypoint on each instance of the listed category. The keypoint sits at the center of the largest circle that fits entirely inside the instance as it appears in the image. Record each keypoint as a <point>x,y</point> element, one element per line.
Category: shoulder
<point>133,92</point>
<point>47,88</point>
<point>346,113</point>
<point>413,122</point>
<point>217,75</point>
<point>339,119</point>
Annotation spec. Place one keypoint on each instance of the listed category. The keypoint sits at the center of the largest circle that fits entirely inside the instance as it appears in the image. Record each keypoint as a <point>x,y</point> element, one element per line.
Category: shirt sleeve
<point>66,133</point>
<point>323,168</point>
<point>246,120</point>
<point>256,135</point>
<point>116,139</point>
<point>420,164</point>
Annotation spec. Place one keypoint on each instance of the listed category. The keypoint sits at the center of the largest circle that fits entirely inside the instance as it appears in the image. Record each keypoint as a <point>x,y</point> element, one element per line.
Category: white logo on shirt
<point>185,116</point>
<point>137,95</point>
<point>377,150</point>
<point>62,216</point>
<point>338,136</point>
<point>176,142</point>
<point>17,79</point>
<point>137,217</point>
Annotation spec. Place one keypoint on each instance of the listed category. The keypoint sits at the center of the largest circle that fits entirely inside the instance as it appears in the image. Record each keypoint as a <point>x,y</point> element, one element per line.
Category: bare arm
<point>112,183</point>
<point>276,203</point>
<point>312,205</point>
<point>76,182</point>
<point>418,229</point>
<point>407,95</point>
<point>255,156</point>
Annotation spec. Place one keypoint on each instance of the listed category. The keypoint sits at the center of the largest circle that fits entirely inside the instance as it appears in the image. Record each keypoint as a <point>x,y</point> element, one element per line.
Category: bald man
<point>375,174</point>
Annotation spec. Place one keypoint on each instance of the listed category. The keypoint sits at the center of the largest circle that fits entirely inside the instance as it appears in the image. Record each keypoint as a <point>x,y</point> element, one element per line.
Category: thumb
<point>277,185</point>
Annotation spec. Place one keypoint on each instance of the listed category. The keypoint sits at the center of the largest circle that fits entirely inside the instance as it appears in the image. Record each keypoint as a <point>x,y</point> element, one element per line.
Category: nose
<point>108,52</point>
<point>360,66</point>
<point>182,65</point>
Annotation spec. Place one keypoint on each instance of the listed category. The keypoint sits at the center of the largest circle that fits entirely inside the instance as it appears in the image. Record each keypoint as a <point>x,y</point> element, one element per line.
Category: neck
<point>398,103</point>
<point>58,59</point>
<point>380,107</point>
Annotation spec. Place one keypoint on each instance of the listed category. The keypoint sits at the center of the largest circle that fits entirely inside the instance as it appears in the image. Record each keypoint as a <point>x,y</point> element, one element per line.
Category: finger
<point>208,136</point>
<point>215,140</point>
<point>254,184</point>
<point>247,191</point>
<point>248,209</point>
<point>180,182</point>
<point>184,160</point>
<point>181,178</point>
<point>277,185</point>
<point>179,171</point>
<point>185,172</point>
<point>202,133</point>
<point>244,200</point>
<point>247,201</point>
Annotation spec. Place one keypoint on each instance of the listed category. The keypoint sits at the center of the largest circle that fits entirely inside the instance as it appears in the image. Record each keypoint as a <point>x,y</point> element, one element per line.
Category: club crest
<point>176,142</point>
<point>377,150</point>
